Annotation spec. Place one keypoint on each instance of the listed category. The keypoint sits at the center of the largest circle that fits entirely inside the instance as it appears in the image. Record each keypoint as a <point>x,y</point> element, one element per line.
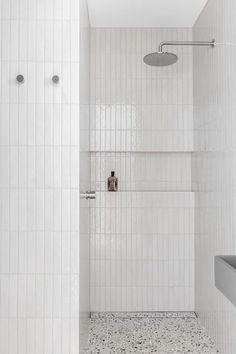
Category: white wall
<point>141,127</point>
<point>84,177</point>
<point>39,179</point>
<point>214,164</point>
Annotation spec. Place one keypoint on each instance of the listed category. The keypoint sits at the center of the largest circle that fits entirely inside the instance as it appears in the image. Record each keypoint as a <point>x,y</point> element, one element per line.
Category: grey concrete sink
<point>225,276</point>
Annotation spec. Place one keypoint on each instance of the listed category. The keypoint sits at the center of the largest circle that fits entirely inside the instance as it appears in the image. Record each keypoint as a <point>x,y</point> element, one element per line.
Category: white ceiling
<point>144,13</point>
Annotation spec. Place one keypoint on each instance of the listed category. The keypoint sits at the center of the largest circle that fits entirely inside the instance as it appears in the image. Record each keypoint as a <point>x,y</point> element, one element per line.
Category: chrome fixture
<point>55,79</point>
<point>161,58</point>
<point>88,195</point>
<point>20,79</point>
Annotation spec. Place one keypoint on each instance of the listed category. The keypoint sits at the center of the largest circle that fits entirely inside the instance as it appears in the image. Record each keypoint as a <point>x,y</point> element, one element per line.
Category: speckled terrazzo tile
<point>142,314</point>
<point>160,335</point>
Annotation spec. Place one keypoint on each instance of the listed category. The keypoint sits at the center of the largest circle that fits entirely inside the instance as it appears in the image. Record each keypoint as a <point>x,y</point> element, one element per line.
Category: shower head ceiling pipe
<point>162,58</point>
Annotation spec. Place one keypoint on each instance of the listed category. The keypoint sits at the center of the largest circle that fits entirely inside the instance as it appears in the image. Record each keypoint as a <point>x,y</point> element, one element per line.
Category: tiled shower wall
<point>84,172</point>
<point>214,164</point>
<point>39,177</point>
<point>142,254</point>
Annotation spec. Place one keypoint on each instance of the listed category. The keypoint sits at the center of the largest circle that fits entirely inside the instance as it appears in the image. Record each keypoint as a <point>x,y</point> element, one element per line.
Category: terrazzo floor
<point>148,332</point>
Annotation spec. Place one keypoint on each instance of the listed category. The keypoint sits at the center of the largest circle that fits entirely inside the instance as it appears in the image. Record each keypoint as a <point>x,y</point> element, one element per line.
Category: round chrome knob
<point>55,79</point>
<point>20,79</point>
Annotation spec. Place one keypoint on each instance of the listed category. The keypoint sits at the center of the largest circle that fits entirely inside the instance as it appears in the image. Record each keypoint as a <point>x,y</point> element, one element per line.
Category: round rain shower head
<point>160,59</point>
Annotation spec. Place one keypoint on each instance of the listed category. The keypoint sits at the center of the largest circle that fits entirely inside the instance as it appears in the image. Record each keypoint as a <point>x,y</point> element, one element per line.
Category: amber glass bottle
<point>112,183</point>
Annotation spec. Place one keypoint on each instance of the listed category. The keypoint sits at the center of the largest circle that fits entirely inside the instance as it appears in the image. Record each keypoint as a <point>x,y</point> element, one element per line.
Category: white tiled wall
<point>84,176</point>
<point>39,178</point>
<point>214,167</point>
<point>142,252</point>
<point>141,127</point>
<point>143,171</point>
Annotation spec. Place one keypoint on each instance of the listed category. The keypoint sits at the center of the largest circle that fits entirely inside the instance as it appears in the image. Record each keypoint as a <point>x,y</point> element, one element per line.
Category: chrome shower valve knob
<point>20,79</point>
<point>55,79</point>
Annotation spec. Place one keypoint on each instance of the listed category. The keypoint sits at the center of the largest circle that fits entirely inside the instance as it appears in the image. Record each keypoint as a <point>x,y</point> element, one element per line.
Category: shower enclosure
<point>77,102</point>
<point>142,238</point>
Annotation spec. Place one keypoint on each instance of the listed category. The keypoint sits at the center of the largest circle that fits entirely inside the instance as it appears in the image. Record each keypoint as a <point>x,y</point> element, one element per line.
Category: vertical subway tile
<point>137,130</point>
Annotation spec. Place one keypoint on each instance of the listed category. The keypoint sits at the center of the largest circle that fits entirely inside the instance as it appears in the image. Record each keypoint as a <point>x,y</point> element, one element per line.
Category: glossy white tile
<point>213,171</point>
<point>39,180</point>
<point>142,128</point>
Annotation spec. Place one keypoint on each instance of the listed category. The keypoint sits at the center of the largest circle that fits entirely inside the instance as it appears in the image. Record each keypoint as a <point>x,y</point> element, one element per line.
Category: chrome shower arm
<point>162,44</point>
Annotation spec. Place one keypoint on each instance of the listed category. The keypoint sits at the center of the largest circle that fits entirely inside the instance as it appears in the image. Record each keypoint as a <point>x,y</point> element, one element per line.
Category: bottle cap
<point>112,173</point>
